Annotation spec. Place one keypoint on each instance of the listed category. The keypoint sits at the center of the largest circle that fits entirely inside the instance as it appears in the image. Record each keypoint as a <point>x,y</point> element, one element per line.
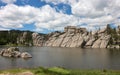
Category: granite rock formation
<point>14,52</point>
<point>71,37</point>
<point>74,37</point>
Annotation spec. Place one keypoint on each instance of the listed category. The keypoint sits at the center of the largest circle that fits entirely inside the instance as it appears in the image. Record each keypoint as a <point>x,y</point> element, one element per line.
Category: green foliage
<point>3,37</point>
<point>110,41</point>
<point>50,71</point>
<point>94,72</point>
<point>61,71</point>
<point>13,71</point>
<point>115,37</point>
<point>96,36</point>
<point>108,29</point>
<point>11,37</point>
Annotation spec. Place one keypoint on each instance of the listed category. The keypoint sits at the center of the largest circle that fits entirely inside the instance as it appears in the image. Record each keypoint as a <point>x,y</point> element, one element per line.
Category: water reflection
<point>73,58</point>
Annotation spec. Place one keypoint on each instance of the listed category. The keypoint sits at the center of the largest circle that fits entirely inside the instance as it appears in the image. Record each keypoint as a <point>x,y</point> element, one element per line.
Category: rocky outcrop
<point>10,52</point>
<point>71,37</point>
<point>22,38</point>
<point>25,38</point>
<point>101,42</point>
<point>90,42</point>
<point>52,38</point>
<point>26,55</point>
<point>38,40</point>
<point>14,52</point>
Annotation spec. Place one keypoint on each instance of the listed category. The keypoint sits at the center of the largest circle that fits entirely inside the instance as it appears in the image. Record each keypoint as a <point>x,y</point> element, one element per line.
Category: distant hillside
<point>16,37</point>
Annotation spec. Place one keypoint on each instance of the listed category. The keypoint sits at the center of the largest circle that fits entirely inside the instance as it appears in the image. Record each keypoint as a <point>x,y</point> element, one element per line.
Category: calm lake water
<point>71,58</point>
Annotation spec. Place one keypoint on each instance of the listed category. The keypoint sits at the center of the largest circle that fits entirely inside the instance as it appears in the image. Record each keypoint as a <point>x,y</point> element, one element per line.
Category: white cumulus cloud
<point>8,1</point>
<point>93,12</point>
<point>46,17</point>
<point>12,16</point>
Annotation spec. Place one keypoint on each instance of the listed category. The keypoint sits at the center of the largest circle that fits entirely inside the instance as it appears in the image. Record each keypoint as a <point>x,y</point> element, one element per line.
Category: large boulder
<point>10,52</point>
<point>14,52</point>
<point>17,54</point>
<point>12,49</point>
<point>26,55</point>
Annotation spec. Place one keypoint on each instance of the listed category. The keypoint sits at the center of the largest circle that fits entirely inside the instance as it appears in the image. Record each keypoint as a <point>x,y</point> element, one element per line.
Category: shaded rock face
<point>22,38</point>
<point>14,52</point>
<point>38,40</point>
<point>25,38</point>
<point>90,42</point>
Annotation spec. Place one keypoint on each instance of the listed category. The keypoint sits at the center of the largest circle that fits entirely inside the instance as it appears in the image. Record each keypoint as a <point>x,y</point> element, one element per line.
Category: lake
<point>71,58</point>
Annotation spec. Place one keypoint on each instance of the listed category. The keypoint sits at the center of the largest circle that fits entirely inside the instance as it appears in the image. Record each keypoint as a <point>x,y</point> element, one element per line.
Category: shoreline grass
<point>60,71</point>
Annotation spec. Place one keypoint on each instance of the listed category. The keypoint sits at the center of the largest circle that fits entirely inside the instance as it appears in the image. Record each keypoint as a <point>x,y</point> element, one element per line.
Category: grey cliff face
<point>25,39</point>
<point>101,42</point>
<point>73,37</point>
<point>38,40</point>
<point>70,37</point>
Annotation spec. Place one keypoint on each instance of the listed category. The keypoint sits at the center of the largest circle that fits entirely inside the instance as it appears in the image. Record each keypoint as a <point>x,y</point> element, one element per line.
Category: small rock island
<point>15,53</point>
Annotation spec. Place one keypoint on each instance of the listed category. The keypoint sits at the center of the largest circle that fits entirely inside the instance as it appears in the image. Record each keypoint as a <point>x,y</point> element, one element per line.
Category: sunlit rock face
<point>73,37</point>
<point>101,42</point>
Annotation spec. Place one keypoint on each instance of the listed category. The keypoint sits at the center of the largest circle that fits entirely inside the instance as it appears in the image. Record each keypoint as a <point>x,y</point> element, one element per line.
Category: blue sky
<point>46,16</point>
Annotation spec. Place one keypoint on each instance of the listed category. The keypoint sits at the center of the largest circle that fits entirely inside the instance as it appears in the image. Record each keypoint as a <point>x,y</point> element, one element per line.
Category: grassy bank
<point>57,71</point>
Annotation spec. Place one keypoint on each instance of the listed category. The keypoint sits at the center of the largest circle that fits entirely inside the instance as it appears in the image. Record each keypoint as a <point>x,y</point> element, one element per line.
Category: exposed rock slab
<point>102,42</point>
